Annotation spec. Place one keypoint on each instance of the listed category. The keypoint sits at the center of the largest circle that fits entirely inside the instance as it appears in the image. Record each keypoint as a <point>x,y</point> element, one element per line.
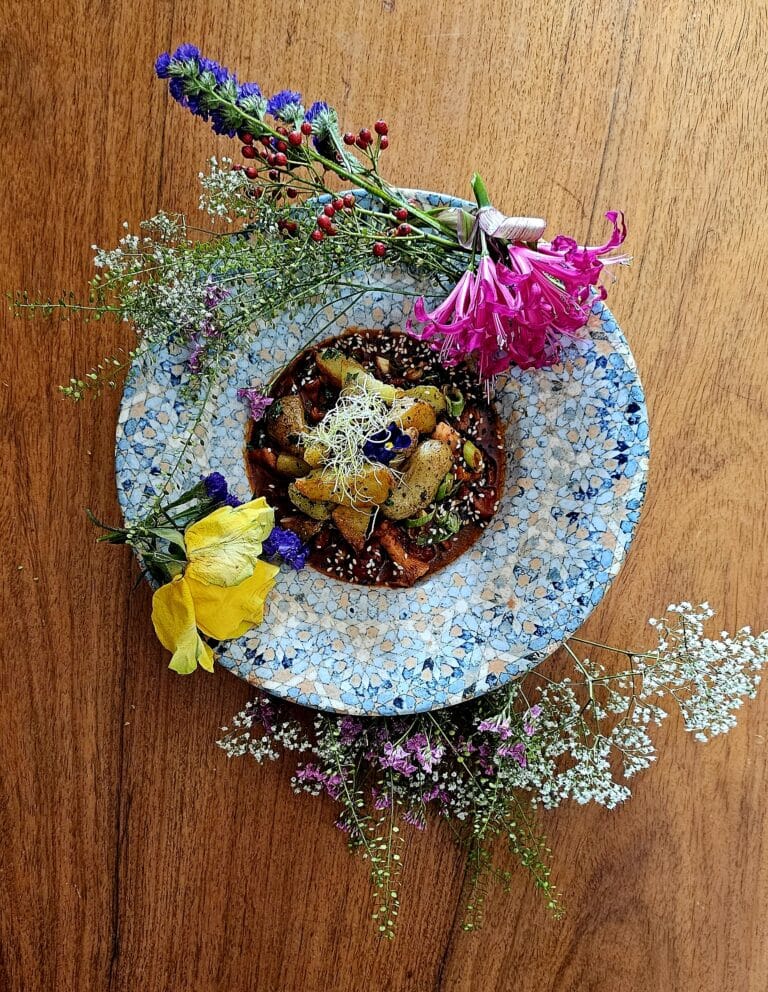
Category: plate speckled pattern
<point>577,458</point>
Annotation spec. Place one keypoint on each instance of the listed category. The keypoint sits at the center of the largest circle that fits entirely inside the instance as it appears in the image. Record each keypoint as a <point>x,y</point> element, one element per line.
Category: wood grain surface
<point>134,857</point>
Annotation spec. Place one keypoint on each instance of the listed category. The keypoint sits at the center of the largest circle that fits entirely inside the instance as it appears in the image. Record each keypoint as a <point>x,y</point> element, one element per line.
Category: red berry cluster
<point>275,149</point>
<point>364,138</point>
<point>324,220</point>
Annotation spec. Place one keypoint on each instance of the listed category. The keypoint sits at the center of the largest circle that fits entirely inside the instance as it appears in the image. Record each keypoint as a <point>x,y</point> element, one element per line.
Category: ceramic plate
<point>577,457</point>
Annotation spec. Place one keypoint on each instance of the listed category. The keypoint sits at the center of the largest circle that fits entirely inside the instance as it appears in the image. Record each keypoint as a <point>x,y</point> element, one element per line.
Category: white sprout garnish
<point>343,431</point>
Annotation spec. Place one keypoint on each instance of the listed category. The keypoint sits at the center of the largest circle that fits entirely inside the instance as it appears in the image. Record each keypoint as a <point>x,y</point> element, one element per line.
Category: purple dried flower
<point>514,751</point>
<point>216,487</point>
<point>311,774</point>
<point>397,758</point>
<point>529,726</point>
<point>285,105</point>
<point>256,401</point>
<point>288,546</point>
<point>349,730</point>
<point>496,726</point>
<point>162,62</point>
<point>214,295</point>
<point>426,754</point>
<point>193,361</point>
<point>416,818</point>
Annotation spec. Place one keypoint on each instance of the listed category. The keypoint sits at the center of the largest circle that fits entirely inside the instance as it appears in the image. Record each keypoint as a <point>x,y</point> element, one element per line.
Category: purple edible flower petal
<point>256,401</point>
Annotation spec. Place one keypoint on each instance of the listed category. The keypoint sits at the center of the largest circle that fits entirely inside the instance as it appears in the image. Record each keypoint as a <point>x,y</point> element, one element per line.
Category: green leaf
<point>169,534</point>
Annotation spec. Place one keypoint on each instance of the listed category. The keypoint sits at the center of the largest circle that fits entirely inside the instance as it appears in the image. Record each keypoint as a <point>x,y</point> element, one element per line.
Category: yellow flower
<point>173,615</point>
<point>224,585</point>
<point>224,612</point>
<point>222,548</point>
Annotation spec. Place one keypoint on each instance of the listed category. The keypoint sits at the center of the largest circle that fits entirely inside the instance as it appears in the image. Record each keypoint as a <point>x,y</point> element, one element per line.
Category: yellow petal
<point>224,612</point>
<point>173,616</point>
<point>223,547</point>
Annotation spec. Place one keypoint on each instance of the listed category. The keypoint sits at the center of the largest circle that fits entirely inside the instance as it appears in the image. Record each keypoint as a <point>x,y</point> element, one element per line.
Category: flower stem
<point>480,191</point>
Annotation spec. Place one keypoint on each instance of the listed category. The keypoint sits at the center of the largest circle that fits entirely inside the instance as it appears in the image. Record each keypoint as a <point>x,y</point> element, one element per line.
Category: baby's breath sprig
<point>487,768</point>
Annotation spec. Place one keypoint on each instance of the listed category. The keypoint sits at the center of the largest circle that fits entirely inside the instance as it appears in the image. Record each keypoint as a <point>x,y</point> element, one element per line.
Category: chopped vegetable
<point>454,399</point>
<point>344,372</point>
<point>446,487</point>
<point>445,526</point>
<point>421,521</point>
<point>472,456</point>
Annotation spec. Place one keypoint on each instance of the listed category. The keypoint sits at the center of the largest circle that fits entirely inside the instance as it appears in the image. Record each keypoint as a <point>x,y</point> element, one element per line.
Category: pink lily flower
<point>520,312</point>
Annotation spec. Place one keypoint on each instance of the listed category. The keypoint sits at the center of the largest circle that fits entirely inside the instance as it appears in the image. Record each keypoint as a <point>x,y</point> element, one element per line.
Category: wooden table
<point>134,856</point>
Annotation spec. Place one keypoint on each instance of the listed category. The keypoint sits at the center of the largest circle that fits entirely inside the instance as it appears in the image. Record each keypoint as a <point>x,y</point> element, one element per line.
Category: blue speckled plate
<point>577,457</point>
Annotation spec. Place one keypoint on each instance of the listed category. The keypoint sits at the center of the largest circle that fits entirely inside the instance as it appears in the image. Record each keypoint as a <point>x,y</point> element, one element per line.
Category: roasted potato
<point>411,567</point>
<point>353,524</point>
<point>286,423</point>
<point>414,413</point>
<point>291,465</point>
<point>343,372</point>
<point>315,454</point>
<point>316,509</point>
<point>372,486</point>
<point>426,469</point>
<point>428,394</point>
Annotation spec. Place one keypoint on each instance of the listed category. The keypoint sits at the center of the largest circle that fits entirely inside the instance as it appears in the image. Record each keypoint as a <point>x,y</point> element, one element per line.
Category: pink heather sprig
<point>520,311</point>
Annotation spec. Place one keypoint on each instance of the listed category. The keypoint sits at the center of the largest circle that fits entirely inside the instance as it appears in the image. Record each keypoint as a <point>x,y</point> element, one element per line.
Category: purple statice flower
<point>496,726</point>
<point>318,107</point>
<point>186,53</point>
<point>416,818</point>
<point>349,729</point>
<point>285,106</point>
<point>483,755</point>
<point>247,91</point>
<point>219,72</point>
<point>381,800</point>
<point>288,546</point>
<point>387,444</point>
<point>256,401</point>
<point>206,88</point>
<point>162,64</point>
<point>529,725</point>
<point>251,100</point>
<point>216,489</point>
<point>514,751</point>
<point>435,794</point>
<point>395,756</point>
<point>214,295</point>
<point>215,486</point>
<point>427,755</point>
<point>311,774</point>
<point>193,360</point>
<point>265,712</point>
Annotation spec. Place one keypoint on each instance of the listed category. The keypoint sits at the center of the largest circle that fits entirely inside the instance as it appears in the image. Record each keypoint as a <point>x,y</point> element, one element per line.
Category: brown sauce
<point>403,362</point>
